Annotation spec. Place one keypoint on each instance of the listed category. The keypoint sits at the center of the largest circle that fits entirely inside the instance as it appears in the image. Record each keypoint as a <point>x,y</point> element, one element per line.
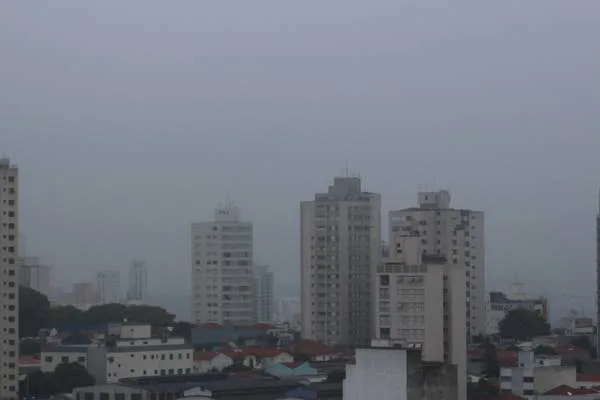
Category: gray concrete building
<point>222,269</point>
<point>420,302</point>
<point>263,293</point>
<point>457,234</point>
<point>340,249</point>
<point>9,296</point>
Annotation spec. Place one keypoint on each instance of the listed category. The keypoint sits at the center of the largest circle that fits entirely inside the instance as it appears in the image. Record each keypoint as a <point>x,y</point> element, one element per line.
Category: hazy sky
<point>131,119</point>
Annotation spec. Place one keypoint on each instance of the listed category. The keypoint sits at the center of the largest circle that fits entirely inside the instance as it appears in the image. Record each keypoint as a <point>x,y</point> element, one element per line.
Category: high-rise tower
<point>9,288</point>
<point>340,249</point>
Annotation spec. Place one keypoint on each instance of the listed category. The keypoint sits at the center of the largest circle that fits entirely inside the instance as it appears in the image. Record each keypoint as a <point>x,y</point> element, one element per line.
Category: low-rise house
<point>135,352</point>
<point>259,358</point>
<point>588,380</point>
<point>210,361</point>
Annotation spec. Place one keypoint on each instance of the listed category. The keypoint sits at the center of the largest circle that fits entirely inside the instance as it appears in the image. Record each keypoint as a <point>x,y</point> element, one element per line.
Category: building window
<point>384,280</point>
<point>64,360</point>
<point>88,396</point>
<point>104,396</point>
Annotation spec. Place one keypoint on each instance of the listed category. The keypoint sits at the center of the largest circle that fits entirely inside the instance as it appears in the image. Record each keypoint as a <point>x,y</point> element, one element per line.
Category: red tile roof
<point>205,355</point>
<point>29,360</point>
<point>588,377</point>
<point>566,390</point>
<point>264,353</point>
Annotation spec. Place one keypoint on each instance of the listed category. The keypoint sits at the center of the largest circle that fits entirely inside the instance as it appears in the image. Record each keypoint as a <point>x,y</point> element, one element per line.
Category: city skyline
<point>123,142</point>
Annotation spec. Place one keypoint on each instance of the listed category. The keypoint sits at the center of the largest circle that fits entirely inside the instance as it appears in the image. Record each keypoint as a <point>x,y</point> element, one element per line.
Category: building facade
<point>138,283</point>
<point>34,275</point>
<point>9,298</point>
<point>134,353</point>
<point>108,286</point>
<point>340,249</point>
<point>83,296</point>
<point>222,269</point>
<point>458,235</point>
<point>263,293</point>
<point>420,302</point>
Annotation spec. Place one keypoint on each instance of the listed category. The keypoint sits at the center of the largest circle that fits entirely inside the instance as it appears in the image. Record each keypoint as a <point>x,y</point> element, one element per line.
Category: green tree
<point>33,311</point>
<point>64,315</point>
<point>522,324</point>
<point>543,350</point>
<point>29,347</point>
<point>69,376</point>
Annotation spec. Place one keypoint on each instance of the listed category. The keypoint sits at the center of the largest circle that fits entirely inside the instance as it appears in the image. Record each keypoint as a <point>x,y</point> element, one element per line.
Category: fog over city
<point>131,120</point>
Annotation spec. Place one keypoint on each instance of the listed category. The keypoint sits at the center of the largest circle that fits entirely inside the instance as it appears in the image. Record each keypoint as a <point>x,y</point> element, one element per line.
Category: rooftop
<point>566,390</point>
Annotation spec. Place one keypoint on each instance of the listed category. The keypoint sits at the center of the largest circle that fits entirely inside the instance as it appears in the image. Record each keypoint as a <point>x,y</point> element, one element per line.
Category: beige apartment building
<point>420,301</point>
<point>222,274</point>
<point>456,234</point>
<point>340,247</point>
<point>9,288</point>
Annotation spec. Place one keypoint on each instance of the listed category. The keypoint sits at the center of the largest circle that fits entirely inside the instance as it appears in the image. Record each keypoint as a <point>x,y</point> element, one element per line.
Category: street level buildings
<point>9,288</point>
<point>340,249</point>
<point>222,269</point>
<point>456,234</point>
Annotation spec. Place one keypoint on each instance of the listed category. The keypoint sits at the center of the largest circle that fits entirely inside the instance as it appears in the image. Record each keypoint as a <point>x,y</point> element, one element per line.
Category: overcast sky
<point>131,119</point>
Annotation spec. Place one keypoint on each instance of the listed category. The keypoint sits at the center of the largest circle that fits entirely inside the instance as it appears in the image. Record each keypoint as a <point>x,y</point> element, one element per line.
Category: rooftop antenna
<point>347,170</point>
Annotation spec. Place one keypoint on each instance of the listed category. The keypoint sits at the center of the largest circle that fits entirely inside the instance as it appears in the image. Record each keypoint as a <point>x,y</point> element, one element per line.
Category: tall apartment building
<point>138,283</point>
<point>263,293</point>
<point>34,275</point>
<point>83,296</point>
<point>456,234</point>
<point>340,248</point>
<point>9,296</point>
<point>420,301</point>
<point>108,286</point>
<point>598,270</point>
<point>222,275</point>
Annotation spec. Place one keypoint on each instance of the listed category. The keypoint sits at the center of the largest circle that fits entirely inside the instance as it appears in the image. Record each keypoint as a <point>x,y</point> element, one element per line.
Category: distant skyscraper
<point>83,296</point>
<point>340,249</point>
<point>263,293</point>
<point>456,234</point>
<point>9,290</point>
<point>108,286</point>
<point>222,276</point>
<point>34,275</point>
<point>138,282</point>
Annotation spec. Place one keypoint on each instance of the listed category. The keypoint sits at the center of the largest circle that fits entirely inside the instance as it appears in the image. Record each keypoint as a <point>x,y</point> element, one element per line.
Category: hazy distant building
<point>34,275</point>
<point>222,275</point>
<point>420,300</point>
<point>499,304</point>
<point>457,234</point>
<point>340,249</point>
<point>9,296</point>
<point>598,271</point>
<point>138,283</point>
<point>263,293</point>
<point>108,286</point>
<point>83,296</point>
<point>288,310</point>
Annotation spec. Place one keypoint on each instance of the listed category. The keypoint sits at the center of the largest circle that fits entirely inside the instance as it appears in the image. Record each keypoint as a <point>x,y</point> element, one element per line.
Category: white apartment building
<point>263,293</point>
<point>138,283</point>
<point>34,275</point>
<point>134,353</point>
<point>108,286</point>
<point>340,249</point>
<point>222,269</point>
<point>389,371</point>
<point>534,376</point>
<point>456,234</point>
<point>420,302</point>
<point>9,288</point>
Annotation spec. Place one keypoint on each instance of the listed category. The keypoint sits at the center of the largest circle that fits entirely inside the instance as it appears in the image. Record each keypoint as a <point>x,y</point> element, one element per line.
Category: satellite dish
<point>170,329</point>
<point>124,319</point>
<point>53,332</point>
